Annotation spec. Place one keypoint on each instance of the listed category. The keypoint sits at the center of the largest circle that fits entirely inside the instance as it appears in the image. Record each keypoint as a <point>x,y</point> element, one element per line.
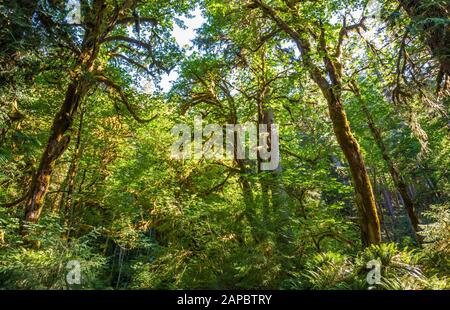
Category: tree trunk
<point>56,145</point>
<point>365,200</point>
<point>247,193</point>
<point>330,83</point>
<point>388,202</point>
<point>398,180</point>
<point>73,169</point>
<point>279,194</point>
<point>377,187</point>
<point>79,85</point>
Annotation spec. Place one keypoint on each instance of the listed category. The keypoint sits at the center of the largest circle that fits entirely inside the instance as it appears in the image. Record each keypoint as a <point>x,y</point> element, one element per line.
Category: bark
<point>398,180</point>
<point>98,23</point>
<point>271,181</point>
<point>436,36</point>
<point>76,91</point>
<point>388,202</point>
<point>73,169</point>
<point>279,194</point>
<point>249,211</point>
<point>265,186</point>
<point>67,186</point>
<point>377,191</point>
<point>56,145</point>
<point>330,84</point>
<point>365,200</point>
<point>247,193</point>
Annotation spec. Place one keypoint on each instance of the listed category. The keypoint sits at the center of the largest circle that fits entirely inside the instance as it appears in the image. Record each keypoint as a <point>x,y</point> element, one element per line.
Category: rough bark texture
<point>73,169</point>
<point>56,145</point>
<point>365,200</point>
<point>398,180</point>
<point>330,84</point>
<point>76,91</point>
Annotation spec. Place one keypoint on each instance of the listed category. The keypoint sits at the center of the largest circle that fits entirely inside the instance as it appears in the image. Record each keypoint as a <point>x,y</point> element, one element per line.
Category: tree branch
<point>138,43</point>
<point>131,19</point>
<point>131,61</point>
<point>302,44</point>
<point>123,97</point>
<point>344,32</point>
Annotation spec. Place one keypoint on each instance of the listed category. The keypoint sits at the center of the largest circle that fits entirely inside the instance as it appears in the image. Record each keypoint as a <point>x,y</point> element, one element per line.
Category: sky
<point>184,38</point>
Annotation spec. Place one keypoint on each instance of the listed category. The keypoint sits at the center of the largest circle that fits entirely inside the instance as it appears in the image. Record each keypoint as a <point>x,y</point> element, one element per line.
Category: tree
<point>105,189</point>
<point>101,24</point>
<point>431,17</point>
<point>393,170</point>
<point>330,84</point>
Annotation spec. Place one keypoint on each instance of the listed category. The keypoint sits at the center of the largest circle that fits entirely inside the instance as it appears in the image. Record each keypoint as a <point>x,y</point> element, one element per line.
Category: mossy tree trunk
<point>73,168</point>
<point>79,85</point>
<point>398,180</point>
<point>365,200</point>
<point>56,145</point>
<point>330,83</point>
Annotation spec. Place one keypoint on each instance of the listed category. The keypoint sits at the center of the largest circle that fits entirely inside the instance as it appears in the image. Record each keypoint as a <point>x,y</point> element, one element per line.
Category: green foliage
<point>327,271</point>
<point>400,270</point>
<point>44,266</point>
<point>135,218</point>
<point>437,239</point>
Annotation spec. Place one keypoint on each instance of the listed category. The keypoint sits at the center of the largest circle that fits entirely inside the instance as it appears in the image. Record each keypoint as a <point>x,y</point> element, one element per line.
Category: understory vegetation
<point>359,91</point>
